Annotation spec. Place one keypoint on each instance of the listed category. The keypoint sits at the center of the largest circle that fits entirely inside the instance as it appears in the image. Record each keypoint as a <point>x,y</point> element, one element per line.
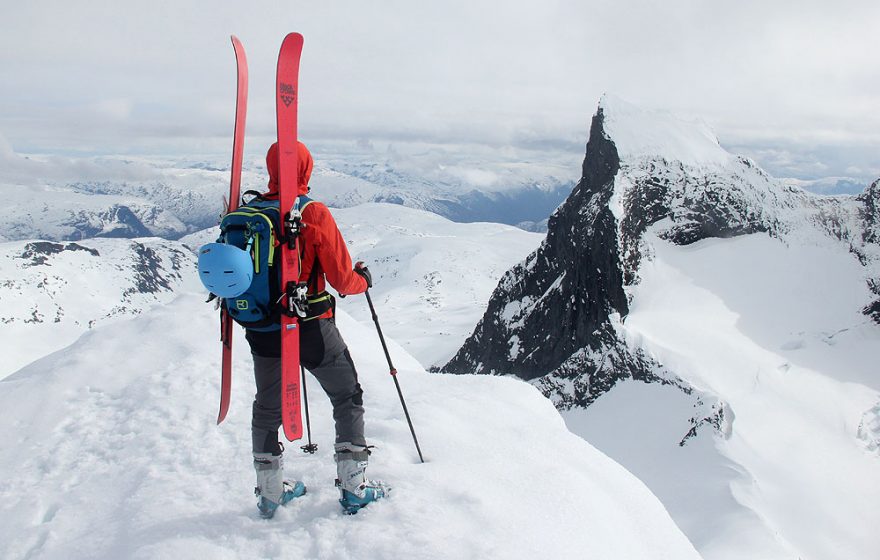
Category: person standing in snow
<point>325,259</point>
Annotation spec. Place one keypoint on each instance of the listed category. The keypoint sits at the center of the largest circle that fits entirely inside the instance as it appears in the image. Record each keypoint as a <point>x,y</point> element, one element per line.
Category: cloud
<point>783,158</point>
<point>30,170</point>
<point>110,77</point>
<point>119,109</point>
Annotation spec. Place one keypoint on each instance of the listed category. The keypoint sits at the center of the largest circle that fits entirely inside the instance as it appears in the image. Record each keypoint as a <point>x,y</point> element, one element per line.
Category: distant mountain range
<point>171,198</point>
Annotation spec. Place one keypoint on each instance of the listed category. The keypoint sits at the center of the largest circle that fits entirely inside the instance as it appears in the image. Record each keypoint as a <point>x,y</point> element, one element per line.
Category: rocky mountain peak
<point>550,306</point>
<point>645,176</point>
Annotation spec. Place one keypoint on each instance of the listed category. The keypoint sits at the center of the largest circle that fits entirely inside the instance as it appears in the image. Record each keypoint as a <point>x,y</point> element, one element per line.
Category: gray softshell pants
<point>325,355</point>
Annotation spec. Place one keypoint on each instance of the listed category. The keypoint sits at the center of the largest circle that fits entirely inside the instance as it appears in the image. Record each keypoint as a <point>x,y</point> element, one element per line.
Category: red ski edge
<point>232,204</point>
<point>286,104</point>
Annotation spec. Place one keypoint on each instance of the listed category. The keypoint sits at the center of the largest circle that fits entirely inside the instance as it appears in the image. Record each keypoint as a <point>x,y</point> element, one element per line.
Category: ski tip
<point>293,37</point>
<point>238,47</point>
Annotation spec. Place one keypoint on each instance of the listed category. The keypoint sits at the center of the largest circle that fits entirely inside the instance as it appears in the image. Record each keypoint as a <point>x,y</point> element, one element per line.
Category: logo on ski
<point>288,93</point>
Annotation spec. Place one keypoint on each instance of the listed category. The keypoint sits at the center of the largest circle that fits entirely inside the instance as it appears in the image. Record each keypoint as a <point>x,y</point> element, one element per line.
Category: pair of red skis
<point>286,102</point>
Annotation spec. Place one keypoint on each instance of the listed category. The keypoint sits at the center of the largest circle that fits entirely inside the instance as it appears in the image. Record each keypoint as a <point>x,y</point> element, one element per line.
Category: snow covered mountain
<point>54,292</point>
<point>719,325</point>
<point>674,178</point>
<point>829,185</point>
<point>433,278</point>
<point>64,215</point>
<point>109,449</point>
<point>167,197</point>
<point>465,184</point>
<point>58,199</point>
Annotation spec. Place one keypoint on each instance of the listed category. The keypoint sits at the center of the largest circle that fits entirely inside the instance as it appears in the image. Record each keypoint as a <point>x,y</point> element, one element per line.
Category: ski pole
<point>393,373</point>
<point>310,447</point>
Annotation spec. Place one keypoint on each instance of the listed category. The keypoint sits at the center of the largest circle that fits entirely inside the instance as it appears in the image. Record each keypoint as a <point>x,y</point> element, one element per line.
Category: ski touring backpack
<point>255,227</point>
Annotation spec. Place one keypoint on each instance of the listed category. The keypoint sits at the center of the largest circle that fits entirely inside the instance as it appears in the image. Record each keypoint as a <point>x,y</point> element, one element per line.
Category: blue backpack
<point>255,227</point>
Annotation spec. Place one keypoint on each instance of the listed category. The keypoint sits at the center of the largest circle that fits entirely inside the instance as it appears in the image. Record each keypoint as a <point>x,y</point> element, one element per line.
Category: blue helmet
<point>225,270</point>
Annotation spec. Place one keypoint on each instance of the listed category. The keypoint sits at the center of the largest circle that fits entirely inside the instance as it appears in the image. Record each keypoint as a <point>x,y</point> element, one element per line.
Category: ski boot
<point>272,490</point>
<point>356,491</point>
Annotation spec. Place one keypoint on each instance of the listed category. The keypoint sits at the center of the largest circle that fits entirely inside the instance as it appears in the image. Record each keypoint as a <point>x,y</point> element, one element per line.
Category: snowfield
<point>768,445</point>
<point>777,334</point>
<point>773,334</point>
<point>433,277</point>
<point>54,292</point>
<point>108,449</point>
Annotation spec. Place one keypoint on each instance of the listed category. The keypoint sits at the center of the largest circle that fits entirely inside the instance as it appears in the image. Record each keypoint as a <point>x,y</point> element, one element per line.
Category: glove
<point>362,270</point>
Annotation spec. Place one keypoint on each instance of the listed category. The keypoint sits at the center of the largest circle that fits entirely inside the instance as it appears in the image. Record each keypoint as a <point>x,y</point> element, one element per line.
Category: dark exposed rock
<point>553,318</point>
<point>696,203</point>
<point>38,252</point>
<point>550,306</point>
<point>870,210</point>
<point>150,276</point>
<point>716,418</point>
<point>589,373</point>
<point>122,279</point>
<point>118,221</point>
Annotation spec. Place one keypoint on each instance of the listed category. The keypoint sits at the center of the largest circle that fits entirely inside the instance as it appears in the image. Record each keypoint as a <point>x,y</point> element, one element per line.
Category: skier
<point>324,258</point>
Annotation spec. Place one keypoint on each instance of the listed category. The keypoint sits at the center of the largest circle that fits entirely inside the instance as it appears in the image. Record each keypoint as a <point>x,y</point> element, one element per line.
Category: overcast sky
<point>795,84</point>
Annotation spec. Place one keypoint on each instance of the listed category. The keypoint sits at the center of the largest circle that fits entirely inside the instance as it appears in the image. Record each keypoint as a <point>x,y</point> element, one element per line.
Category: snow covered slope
<point>712,328</point>
<point>432,276</point>
<point>53,292</point>
<point>783,367</point>
<point>775,333</point>
<point>108,449</point>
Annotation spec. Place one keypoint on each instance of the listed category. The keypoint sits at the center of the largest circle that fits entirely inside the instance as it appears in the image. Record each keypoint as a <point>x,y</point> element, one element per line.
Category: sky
<point>795,85</point>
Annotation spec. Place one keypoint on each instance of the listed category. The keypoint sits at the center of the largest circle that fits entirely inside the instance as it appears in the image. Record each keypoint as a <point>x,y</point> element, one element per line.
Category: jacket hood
<point>305,168</point>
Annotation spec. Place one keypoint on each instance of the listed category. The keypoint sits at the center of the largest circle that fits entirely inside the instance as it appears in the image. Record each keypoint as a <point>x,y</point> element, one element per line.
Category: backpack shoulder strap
<point>303,202</point>
<point>262,203</point>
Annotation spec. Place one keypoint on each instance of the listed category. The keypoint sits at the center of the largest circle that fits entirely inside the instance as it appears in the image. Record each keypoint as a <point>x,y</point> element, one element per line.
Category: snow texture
<point>54,292</point>
<point>660,135</point>
<point>108,449</point>
<point>795,384</point>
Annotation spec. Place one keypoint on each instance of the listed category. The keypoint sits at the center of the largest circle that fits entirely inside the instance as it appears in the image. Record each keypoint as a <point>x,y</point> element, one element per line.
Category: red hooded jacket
<point>321,243</point>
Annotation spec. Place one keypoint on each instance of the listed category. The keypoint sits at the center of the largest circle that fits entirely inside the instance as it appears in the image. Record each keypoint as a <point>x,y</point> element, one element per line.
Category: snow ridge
<point>109,450</point>
<point>640,134</point>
